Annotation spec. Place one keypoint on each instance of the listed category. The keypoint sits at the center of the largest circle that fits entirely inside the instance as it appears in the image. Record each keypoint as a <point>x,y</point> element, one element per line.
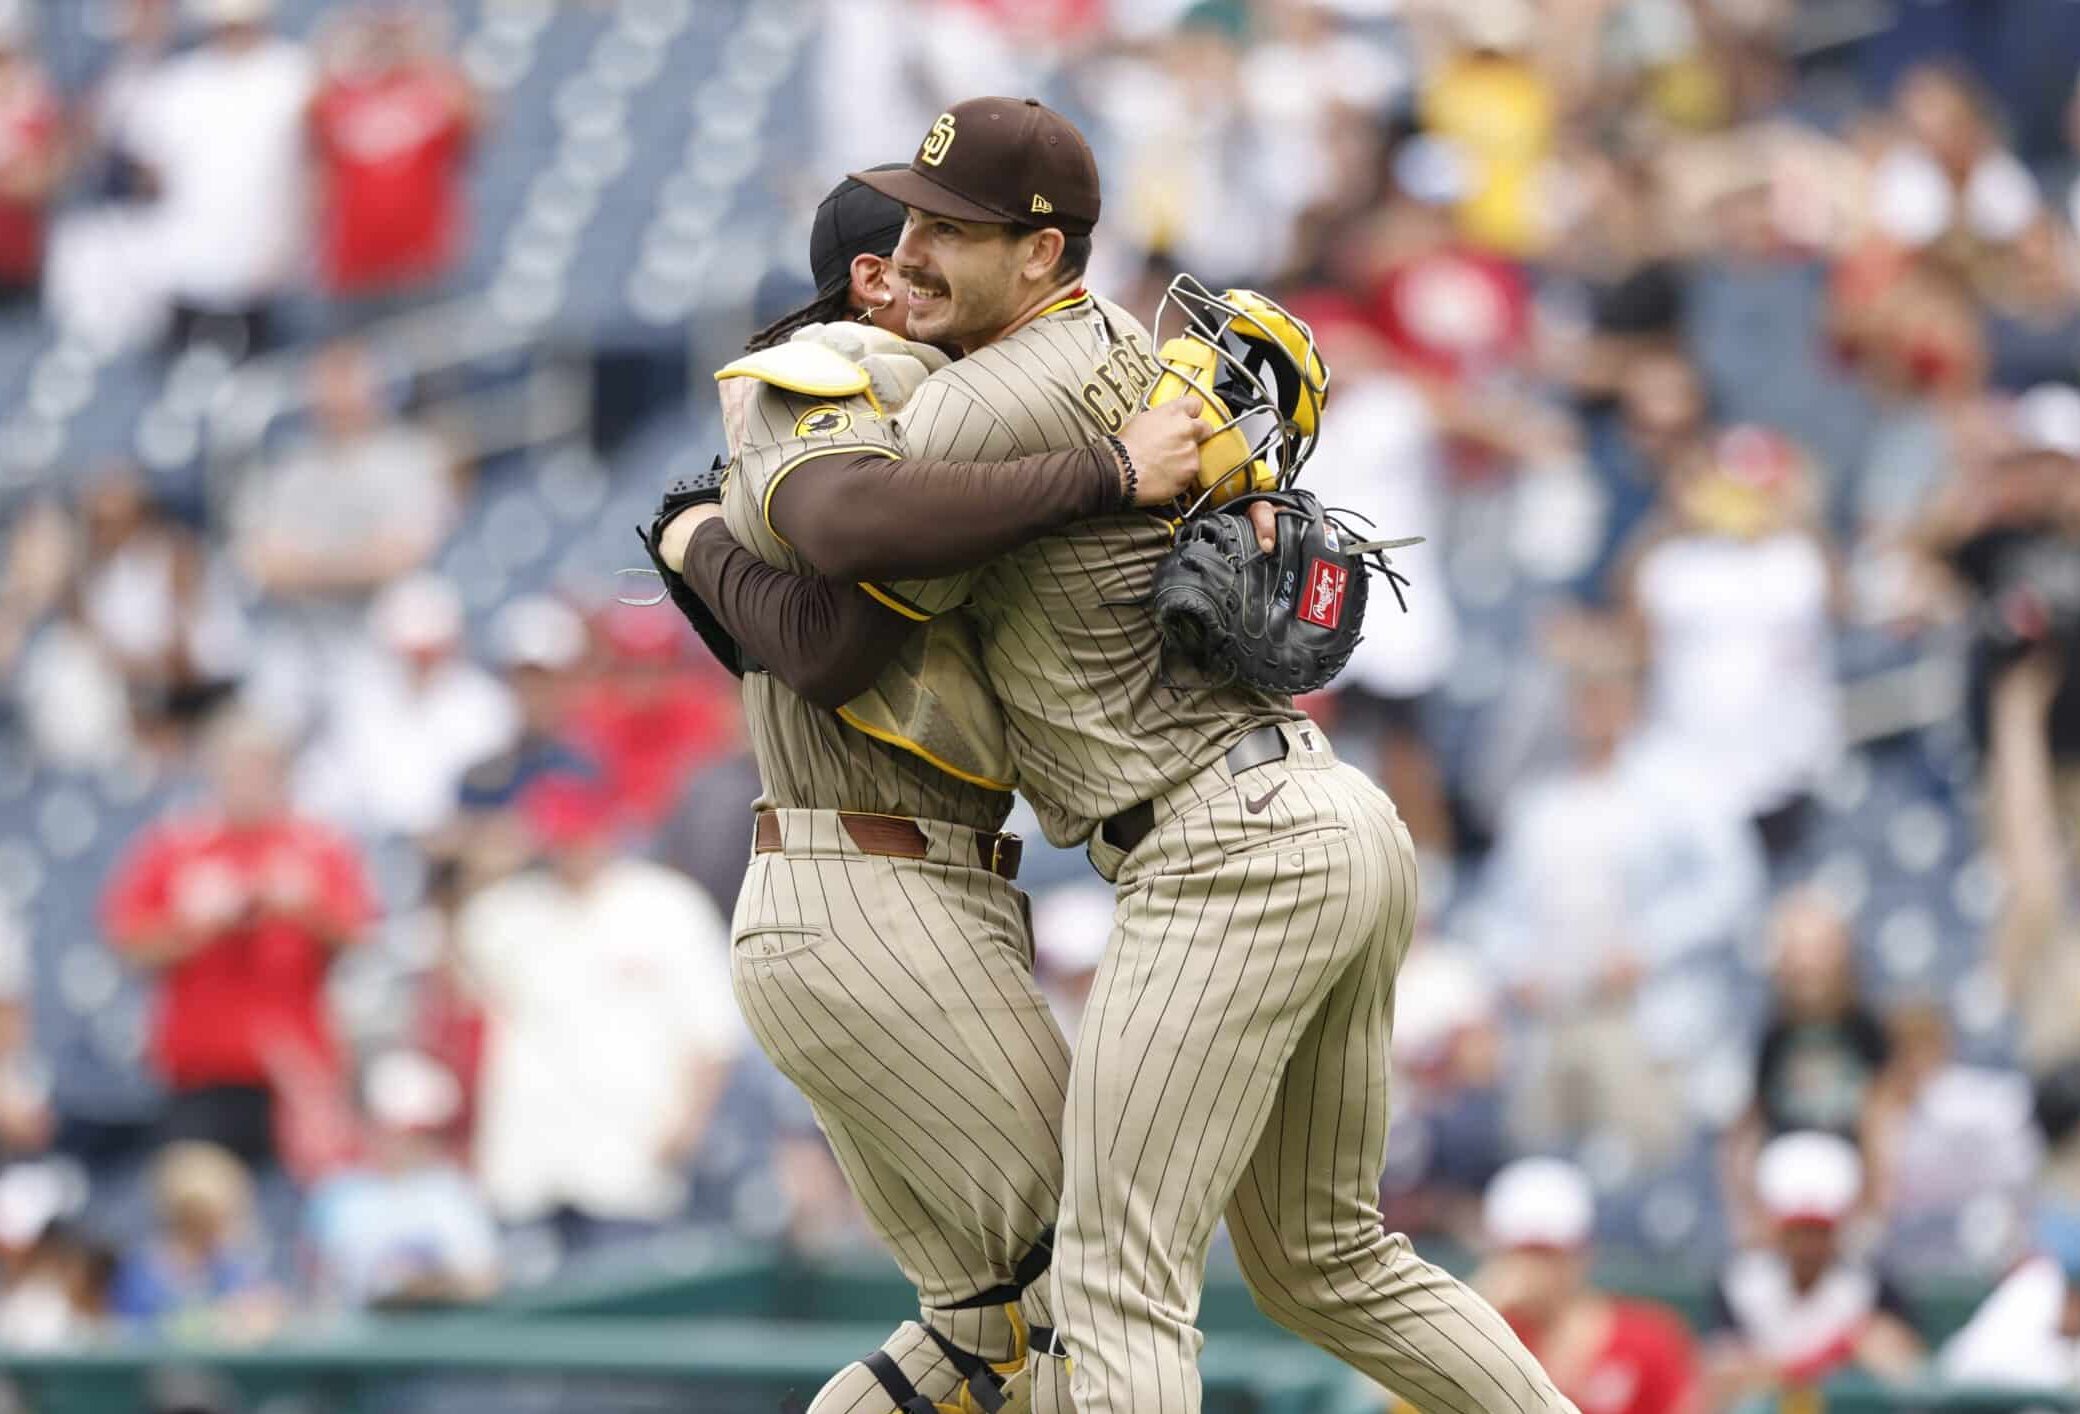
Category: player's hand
<point>894,365</point>
<point>678,534</point>
<point>1163,443</point>
<point>1265,519</point>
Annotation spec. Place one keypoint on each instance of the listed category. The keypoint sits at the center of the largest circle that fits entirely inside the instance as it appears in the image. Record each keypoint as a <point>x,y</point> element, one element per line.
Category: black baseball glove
<point>1285,621</point>
<point>700,488</point>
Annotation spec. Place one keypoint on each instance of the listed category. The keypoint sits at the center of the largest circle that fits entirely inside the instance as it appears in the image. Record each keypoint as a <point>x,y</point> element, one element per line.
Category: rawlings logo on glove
<point>1285,621</point>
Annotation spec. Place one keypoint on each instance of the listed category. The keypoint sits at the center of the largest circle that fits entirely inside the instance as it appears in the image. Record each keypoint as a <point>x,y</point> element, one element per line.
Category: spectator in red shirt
<point>392,122</point>
<point>31,157</point>
<point>239,907</point>
<point>651,717</point>
<point>1609,1356</point>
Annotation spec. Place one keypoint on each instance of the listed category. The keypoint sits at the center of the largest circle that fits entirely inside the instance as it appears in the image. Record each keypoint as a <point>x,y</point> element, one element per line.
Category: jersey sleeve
<point>780,431</point>
<point>825,639</point>
<point>945,422</point>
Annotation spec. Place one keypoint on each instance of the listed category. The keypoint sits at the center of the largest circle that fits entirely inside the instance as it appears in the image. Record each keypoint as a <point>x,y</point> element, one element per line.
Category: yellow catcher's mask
<point>1263,382</point>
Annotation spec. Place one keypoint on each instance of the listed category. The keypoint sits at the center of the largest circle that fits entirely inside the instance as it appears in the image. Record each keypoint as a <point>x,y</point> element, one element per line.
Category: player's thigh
<point>1211,979</point>
<point>899,997</point>
<point>947,1261</point>
<point>1312,1182</point>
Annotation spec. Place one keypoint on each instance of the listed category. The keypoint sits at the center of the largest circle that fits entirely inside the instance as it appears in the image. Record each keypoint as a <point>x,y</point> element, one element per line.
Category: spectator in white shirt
<point>368,499</point>
<point>1930,1108</point>
<point>1385,463</point>
<point>407,721</point>
<point>1798,1307</point>
<point>1735,592</point>
<point>1607,878</point>
<point>53,1280</point>
<point>610,1028</point>
<point>221,131</point>
<point>365,500</point>
<point>2027,1333</point>
<point>157,603</point>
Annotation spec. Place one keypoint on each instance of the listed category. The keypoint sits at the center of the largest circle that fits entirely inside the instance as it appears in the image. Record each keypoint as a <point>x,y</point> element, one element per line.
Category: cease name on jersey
<point>1117,386</point>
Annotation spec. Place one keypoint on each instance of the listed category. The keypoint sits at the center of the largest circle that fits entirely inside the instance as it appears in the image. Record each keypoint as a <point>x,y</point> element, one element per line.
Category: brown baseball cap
<point>1003,160</point>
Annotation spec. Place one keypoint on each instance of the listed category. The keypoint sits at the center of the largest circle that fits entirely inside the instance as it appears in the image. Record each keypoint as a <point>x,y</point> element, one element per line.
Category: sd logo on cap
<point>1006,161</point>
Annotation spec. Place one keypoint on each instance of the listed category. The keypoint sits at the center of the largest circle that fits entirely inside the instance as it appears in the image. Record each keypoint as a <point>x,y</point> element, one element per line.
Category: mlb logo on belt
<point>1324,601</point>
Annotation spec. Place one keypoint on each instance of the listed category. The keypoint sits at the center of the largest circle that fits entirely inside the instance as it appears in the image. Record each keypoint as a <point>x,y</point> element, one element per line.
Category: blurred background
<point>365,1031</point>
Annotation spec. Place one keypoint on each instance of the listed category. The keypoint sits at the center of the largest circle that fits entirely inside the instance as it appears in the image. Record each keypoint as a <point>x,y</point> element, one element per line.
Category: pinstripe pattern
<point>1233,1054</point>
<point>1232,1061</point>
<point>1077,666</point>
<point>898,994</point>
<point>933,694</point>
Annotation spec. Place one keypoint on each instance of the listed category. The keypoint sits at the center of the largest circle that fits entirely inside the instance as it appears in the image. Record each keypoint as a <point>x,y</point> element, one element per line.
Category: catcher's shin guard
<point>985,1387</point>
<point>978,1384</point>
<point>1011,1388</point>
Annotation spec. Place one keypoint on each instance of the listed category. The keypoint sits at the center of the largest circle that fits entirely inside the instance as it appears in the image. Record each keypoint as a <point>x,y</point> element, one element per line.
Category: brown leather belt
<point>1260,747</point>
<point>898,837</point>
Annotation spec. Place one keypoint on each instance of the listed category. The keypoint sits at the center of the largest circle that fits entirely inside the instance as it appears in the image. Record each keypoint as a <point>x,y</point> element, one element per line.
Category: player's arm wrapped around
<point>1285,621</point>
<point>702,488</point>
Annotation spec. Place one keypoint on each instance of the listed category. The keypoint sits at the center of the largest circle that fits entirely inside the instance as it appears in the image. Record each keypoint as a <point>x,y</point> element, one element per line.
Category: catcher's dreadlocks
<point>824,309</point>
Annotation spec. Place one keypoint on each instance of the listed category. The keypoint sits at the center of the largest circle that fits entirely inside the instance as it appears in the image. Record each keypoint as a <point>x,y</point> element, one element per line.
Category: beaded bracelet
<point>1133,479</point>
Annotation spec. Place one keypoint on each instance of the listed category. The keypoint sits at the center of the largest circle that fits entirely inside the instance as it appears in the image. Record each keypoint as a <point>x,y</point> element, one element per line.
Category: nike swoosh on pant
<point>1256,807</point>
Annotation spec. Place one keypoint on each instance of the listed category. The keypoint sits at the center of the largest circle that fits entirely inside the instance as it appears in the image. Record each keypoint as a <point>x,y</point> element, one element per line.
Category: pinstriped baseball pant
<point>898,995</point>
<point>1233,1061</point>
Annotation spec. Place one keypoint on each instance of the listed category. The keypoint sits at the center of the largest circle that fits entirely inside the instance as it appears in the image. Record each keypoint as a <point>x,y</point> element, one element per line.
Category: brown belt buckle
<point>1006,851</point>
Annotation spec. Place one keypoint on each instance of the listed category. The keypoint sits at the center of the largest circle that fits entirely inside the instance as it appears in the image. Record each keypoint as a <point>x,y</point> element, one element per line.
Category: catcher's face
<point>968,280</point>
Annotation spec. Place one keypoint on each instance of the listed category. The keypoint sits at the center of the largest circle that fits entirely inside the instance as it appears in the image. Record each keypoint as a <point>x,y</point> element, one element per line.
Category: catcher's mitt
<point>1286,621</point>
<point>698,488</point>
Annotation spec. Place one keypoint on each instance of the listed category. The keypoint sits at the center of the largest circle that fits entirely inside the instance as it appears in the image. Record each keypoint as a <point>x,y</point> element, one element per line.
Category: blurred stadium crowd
<point>366,865</point>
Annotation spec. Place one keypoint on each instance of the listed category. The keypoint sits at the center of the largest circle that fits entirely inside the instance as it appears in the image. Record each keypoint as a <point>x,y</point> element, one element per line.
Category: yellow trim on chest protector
<point>858,723</point>
<point>765,504</point>
<point>888,599</point>
<point>802,366</point>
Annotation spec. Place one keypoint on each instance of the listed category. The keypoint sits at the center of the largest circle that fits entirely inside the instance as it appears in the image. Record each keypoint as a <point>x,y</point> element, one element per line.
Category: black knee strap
<point>1030,1269</point>
<point>1046,1340</point>
<point>983,1385</point>
<point>892,1378</point>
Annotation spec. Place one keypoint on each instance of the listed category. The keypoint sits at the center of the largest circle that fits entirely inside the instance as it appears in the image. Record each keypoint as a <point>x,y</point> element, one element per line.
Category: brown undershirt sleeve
<point>824,638</point>
<point>869,517</point>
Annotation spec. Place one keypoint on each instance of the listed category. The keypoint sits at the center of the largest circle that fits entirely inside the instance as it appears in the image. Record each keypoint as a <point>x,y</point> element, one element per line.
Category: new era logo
<point>1041,205</point>
<point>1324,602</point>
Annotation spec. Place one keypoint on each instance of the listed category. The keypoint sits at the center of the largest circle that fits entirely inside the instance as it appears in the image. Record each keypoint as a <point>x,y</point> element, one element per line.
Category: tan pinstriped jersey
<point>1097,719</point>
<point>927,738</point>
